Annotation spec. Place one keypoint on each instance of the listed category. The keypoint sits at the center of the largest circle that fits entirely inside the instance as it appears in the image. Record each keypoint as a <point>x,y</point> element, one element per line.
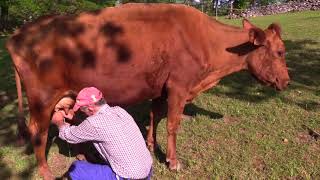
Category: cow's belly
<point>127,92</point>
<point>119,89</point>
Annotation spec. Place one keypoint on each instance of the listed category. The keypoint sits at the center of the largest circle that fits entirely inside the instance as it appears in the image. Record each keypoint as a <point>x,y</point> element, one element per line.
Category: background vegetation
<point>13,13</point>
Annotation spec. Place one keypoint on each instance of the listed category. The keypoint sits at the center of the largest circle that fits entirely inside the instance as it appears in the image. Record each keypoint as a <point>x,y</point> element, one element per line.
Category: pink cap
<point>87,96</point>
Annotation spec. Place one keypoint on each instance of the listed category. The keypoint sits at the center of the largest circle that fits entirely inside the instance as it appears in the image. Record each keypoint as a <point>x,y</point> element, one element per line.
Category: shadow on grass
<point>140,113</point>
<point>304,64</point>
<point>5,172</point>
<point>8,140</point>
<point>8,120</point>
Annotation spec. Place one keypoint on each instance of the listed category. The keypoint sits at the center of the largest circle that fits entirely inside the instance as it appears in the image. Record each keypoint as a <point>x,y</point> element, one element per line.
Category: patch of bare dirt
<point>294,178</point>
<point>215,126</point>
<point>315,147</point>
<point>212,142</point>
<point>260,135</point>
<point>242,131</point>
<point>259,164</point>
<point>59,164</point>
<point>230,120</point>
<point>303,138</point>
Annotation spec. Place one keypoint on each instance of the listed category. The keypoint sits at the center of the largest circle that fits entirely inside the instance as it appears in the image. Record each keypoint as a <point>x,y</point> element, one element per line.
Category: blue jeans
<point>83,170</point>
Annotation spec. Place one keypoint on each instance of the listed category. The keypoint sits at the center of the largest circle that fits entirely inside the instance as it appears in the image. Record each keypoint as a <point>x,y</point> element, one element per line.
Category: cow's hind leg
<point>38,127</point>
<point>158,109</point>
<point>23,134</point>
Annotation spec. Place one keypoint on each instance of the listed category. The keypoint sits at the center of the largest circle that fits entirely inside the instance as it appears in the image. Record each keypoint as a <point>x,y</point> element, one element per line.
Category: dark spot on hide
<point>88,59</point>
<point>67,26</point>
<point>37,140</point>
<point>111,30</point>
<point>124,53</point>
<point>45,65</point>
<point>66,54</point>
<point>38,108</point>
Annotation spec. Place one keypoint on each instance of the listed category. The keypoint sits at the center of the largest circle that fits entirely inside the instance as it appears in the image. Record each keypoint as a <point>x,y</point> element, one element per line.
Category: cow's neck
<point>229,58</point>
<point>226,57</point>
<point>233,51</point>
<point>213,78</point>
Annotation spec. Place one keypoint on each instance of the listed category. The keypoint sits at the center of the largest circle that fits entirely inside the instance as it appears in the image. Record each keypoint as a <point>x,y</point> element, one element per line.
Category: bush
<point>27,10</point>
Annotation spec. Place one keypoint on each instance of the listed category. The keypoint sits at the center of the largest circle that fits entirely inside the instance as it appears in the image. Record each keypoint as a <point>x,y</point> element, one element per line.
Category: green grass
<point>238,128</point>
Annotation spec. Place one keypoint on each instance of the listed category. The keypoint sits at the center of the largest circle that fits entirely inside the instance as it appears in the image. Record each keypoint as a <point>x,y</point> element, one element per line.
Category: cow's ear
<point>247,24</point>
<point>257,36</point>
<point>275,28</point>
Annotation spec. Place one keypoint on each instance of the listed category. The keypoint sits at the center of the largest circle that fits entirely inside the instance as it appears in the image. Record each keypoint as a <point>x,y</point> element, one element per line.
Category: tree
<point>4,13</point>
<point>241,4</point>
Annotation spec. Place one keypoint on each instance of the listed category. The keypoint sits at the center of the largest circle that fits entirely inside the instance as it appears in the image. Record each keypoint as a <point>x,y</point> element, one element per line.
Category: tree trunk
<point>186,2</point>
<point>231,8</point>
<point>216,6</point>
<point>201,1</point>
<point>4,10</point>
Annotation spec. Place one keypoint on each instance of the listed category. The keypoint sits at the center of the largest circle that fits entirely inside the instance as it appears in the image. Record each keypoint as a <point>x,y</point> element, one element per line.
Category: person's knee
<point>79,164</point>
<point>77,169</point>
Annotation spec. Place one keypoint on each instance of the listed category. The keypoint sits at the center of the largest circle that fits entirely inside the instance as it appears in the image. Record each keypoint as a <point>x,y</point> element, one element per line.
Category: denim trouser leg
<point>83,170</point>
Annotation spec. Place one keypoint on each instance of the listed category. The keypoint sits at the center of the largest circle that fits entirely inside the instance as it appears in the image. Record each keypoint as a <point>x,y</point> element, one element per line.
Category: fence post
<point>216,2</point>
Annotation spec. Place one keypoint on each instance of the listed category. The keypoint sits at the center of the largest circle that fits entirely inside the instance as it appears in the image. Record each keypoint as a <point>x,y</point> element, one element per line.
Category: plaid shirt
<point>117,138</point>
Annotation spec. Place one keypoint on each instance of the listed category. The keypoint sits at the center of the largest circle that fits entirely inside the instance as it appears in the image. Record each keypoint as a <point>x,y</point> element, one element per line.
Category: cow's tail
<point>19,93</point>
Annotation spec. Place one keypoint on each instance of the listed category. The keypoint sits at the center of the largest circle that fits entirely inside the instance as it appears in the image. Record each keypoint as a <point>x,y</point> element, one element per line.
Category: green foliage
<point>267,2</point>
<point>25,10</point>
<point>241,4</point>
<point>28,10</point>
<point>140,1</point>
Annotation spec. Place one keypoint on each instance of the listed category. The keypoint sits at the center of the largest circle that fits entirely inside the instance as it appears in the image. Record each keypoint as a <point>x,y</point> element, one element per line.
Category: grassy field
<point>239,130</point>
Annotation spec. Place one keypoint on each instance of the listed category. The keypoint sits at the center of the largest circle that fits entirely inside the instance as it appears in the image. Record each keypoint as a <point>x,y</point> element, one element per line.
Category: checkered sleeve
<point>122,113</point>
<point>78,134</point>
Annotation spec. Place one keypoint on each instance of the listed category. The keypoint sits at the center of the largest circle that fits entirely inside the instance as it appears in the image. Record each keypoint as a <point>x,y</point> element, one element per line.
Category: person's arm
<point>74,134</point>
<point>78,134</point>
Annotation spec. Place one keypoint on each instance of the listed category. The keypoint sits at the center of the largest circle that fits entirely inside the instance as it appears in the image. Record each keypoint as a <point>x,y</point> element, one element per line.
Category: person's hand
<point>58,118</point>
<point>65,104</point>
<point>68,114</point>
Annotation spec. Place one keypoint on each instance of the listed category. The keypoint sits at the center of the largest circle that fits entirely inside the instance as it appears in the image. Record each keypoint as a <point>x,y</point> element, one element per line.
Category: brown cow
<point>165,52</point>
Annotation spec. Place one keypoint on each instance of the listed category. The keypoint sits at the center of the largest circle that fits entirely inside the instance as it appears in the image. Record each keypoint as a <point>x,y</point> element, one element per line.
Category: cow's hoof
<point>152,147</point>
<point>176,167</point>
<point>46,173</point>
<point>186,117</point>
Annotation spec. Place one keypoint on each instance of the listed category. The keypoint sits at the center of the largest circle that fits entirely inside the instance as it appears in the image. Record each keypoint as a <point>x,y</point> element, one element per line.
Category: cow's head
<point>267,62</point>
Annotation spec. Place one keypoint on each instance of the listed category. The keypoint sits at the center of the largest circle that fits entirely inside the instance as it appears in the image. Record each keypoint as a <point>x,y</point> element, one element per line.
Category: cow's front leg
<point>39,132</point>
<point>158,109</point>
<point>176,102</point>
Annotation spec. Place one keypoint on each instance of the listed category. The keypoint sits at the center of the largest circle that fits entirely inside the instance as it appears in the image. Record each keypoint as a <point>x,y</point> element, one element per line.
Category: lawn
<point>239,130</point>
